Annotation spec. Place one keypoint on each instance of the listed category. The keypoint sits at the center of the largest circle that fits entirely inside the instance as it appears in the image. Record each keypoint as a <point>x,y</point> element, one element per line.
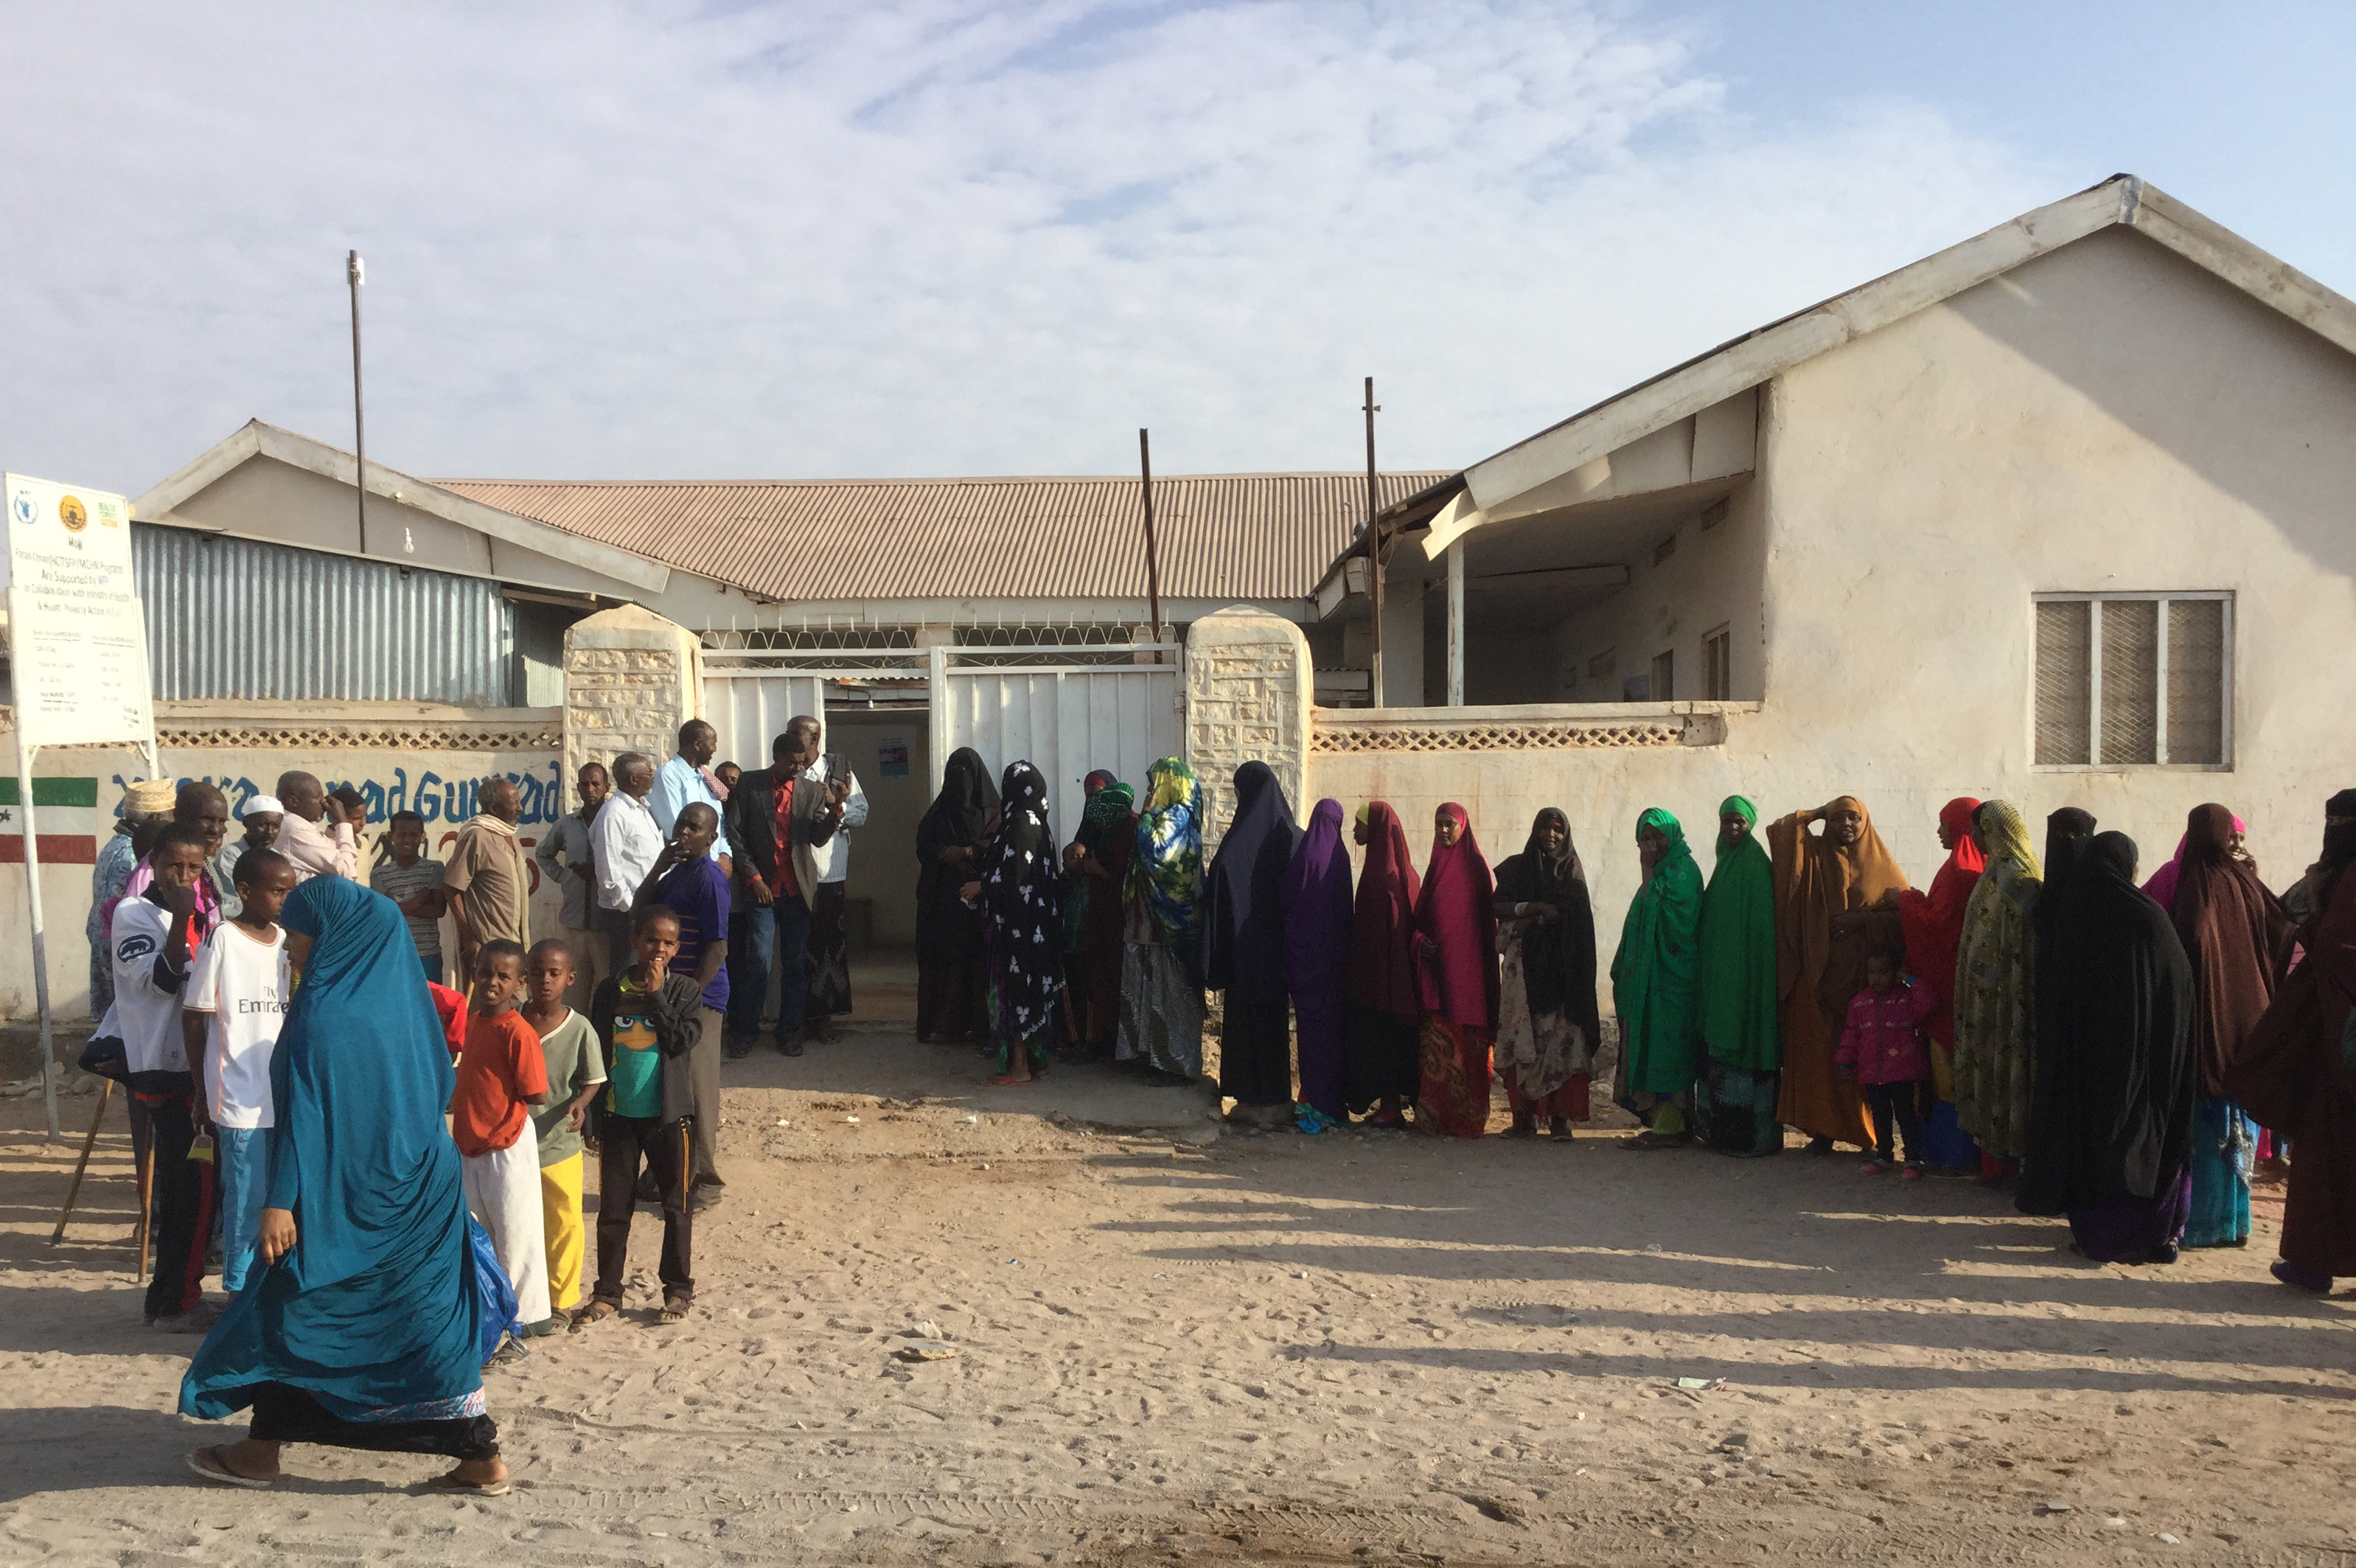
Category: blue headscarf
<point>374,1311</point>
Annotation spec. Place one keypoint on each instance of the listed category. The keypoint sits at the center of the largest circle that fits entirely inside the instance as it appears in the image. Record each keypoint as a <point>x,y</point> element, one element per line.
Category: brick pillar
<point>1249,685</point>
<point>631,679</point>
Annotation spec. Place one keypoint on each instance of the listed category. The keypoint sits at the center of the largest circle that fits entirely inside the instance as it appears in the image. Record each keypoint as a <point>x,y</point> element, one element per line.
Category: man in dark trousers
<point>772,814</point>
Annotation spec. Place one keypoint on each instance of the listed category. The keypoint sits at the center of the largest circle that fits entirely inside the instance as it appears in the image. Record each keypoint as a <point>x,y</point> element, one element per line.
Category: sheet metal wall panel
<point>750,710</point>
<point>238,618</point>
<point>1064,722</point>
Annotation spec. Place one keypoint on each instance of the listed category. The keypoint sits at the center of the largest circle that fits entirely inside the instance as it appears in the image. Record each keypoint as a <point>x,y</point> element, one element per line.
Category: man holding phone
<point>787,822</point>
<point>335,850</point>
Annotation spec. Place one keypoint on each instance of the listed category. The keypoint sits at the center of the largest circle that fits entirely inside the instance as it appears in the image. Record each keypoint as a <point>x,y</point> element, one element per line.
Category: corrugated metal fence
<point>229,618</point>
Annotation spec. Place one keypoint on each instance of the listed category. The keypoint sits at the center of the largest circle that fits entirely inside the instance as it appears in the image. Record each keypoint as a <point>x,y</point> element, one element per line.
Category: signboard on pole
<point>77,641</point>
<point>77,661</point>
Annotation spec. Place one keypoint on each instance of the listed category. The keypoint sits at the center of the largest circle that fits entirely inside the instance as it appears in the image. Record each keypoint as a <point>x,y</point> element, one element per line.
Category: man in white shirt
<point>302,800</point>
<point>688,778</point>
<point>828,960</point>
<point>624,843</point>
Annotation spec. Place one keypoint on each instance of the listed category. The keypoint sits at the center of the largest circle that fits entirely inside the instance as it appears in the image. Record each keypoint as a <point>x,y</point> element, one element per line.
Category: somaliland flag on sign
<point>65,812</point>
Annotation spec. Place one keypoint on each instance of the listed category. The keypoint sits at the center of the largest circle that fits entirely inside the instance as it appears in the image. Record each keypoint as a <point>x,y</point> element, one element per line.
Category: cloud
<point>665,241</point>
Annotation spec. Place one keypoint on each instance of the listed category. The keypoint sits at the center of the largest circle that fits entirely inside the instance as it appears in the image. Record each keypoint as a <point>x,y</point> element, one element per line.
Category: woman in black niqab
<point>2111,1138</point>
<point>951,973</point>
<point>1547,1034</point>
<point>1242,928</point>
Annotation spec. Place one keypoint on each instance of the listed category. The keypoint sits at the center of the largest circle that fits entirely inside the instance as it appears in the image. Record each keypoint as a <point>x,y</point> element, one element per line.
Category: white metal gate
<point>750,706</point>
<point>1065,719</point>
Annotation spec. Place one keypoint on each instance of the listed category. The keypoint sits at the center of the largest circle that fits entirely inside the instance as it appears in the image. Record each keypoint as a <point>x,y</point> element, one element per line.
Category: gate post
<point>1249,685</point>
<point>631,679</point>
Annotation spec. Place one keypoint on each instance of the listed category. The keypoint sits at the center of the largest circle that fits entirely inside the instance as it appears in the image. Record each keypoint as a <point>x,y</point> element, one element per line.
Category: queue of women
<point>2118,1053</point>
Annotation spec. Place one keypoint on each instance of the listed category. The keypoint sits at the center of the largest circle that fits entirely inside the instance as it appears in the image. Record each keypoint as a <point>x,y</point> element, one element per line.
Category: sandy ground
<point>1177,1345</point>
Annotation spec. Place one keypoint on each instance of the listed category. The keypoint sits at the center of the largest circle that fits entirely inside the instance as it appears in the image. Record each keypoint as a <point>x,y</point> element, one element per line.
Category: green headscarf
<point>1740,1023</point>
<point>1652,973</point>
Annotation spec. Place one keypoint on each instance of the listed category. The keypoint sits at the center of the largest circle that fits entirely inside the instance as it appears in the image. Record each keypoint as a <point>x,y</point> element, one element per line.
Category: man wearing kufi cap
<point>143,801</point>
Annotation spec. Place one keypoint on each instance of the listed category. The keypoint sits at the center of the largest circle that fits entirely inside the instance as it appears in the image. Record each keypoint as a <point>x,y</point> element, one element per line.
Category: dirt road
<point>1258,1347</point>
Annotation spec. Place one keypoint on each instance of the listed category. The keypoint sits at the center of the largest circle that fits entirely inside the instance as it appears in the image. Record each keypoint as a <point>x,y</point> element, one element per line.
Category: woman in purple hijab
<point>1317,907</point>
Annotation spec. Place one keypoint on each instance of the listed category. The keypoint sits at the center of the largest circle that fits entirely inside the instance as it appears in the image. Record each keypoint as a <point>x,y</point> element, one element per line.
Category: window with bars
<point>1718,664</point>
<point>2133,680</point>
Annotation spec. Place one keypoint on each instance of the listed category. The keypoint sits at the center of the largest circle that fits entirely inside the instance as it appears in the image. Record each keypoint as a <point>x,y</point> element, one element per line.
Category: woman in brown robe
<point>1830,912</point>
<point>2294,1074</point>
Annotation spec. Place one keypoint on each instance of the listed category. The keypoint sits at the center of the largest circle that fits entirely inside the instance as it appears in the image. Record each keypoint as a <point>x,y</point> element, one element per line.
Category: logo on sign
<point>72,513</point>
<point>20,506</point>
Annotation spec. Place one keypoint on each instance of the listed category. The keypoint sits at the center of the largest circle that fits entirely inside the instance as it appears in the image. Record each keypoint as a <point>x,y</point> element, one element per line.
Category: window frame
<point>2162,597</point>
<point>1718,662</point>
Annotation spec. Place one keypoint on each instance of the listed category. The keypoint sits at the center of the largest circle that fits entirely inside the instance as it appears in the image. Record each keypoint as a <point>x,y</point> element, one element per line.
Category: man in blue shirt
<point>687,778</point>
<point>687,881</point>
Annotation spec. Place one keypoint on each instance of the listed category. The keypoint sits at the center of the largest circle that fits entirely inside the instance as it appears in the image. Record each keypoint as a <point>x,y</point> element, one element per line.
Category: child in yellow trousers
<point>576,1070</point>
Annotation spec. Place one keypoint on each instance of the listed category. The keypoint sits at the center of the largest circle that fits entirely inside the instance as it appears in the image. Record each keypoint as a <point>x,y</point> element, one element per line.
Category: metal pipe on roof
<point>353,269</point>
<point>1152,557</point>
<point>1374,556</point>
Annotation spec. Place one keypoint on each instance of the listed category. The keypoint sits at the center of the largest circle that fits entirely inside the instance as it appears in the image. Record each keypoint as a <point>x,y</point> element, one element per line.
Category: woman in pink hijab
<point>1456,963</point>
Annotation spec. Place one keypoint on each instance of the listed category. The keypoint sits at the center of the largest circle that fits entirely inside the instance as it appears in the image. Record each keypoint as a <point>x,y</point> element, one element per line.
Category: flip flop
<point>449,1482</point>
<point>207,1463</point>
<point>1003,1082</point>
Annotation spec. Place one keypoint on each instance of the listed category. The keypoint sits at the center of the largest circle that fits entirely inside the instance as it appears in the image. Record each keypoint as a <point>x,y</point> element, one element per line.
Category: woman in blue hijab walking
<point>364,1332</point>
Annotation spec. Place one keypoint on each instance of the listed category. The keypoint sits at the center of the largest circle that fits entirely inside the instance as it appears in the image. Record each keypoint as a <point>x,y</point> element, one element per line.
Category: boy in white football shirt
<point>236,998</point>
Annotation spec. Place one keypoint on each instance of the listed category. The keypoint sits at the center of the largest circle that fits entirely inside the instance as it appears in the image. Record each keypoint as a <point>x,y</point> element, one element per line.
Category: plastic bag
<point>491,1288</point>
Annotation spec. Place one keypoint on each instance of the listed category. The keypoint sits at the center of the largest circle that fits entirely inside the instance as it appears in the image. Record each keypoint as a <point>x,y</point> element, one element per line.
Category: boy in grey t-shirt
<point>414,883</point>
<point>576,1070</point>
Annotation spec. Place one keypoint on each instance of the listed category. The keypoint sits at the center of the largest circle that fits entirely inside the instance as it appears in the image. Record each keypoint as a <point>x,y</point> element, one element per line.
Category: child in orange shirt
<point>501,1076</point>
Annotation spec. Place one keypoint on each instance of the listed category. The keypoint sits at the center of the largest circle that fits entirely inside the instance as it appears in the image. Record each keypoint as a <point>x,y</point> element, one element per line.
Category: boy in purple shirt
<point>688,882</point>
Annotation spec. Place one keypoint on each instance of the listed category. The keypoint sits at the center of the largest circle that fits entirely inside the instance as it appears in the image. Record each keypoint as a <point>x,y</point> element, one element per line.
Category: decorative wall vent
<point>359,737</point>
<point>1352,735</point>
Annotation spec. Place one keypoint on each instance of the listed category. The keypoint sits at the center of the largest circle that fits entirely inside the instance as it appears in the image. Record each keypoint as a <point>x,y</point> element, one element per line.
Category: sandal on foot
<point>675,1309</point>
<point>449,1482</point>
<point>595,1312</point>
<point>209,1463</point>
<point>1001,1080</point>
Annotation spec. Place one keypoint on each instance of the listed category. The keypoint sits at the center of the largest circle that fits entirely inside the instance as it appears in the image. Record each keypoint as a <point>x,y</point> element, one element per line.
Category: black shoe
<point>737,1050</point>
<point>790,1046</point>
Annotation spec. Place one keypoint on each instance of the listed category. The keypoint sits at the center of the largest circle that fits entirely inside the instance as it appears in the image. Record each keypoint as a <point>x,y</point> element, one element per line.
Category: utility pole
<point>352,270</point>
<point>1374,556</point>
<point>1152,557</point>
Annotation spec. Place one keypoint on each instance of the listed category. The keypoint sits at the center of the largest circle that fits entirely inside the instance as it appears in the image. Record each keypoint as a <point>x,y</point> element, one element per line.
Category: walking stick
<point>105,1093</point>
<point>146,1198</point>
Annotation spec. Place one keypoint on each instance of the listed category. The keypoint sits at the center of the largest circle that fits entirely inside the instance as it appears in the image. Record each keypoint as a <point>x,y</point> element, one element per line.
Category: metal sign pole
<point>33,891</point>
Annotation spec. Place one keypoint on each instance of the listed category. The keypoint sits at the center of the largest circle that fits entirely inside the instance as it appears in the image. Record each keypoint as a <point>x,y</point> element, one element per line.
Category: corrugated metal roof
<point>1254,536</point>
<point>237,618</point>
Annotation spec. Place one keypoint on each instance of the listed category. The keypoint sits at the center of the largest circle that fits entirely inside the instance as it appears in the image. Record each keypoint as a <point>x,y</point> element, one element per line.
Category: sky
<point>856,238</point>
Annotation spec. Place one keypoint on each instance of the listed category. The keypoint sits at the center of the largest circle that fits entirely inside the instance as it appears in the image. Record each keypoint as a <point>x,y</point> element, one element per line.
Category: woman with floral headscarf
<point>1456,967</point>
<point>1741,1029</point>
<point>1161,995</point>
<point>1653,977</point>
<point>1023,896</point>
<point>1546,1017</point>
<point>1996,993</point>
<point>1095,862</point>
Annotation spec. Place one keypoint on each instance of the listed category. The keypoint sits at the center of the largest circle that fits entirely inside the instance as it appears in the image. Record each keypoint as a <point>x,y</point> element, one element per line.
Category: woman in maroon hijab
<point>1382,1006</point>
<point>1456,963</point>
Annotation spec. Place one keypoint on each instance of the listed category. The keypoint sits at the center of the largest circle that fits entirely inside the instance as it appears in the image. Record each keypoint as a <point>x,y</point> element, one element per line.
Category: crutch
<point>105,1093</point>
<point>146,1199</point>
